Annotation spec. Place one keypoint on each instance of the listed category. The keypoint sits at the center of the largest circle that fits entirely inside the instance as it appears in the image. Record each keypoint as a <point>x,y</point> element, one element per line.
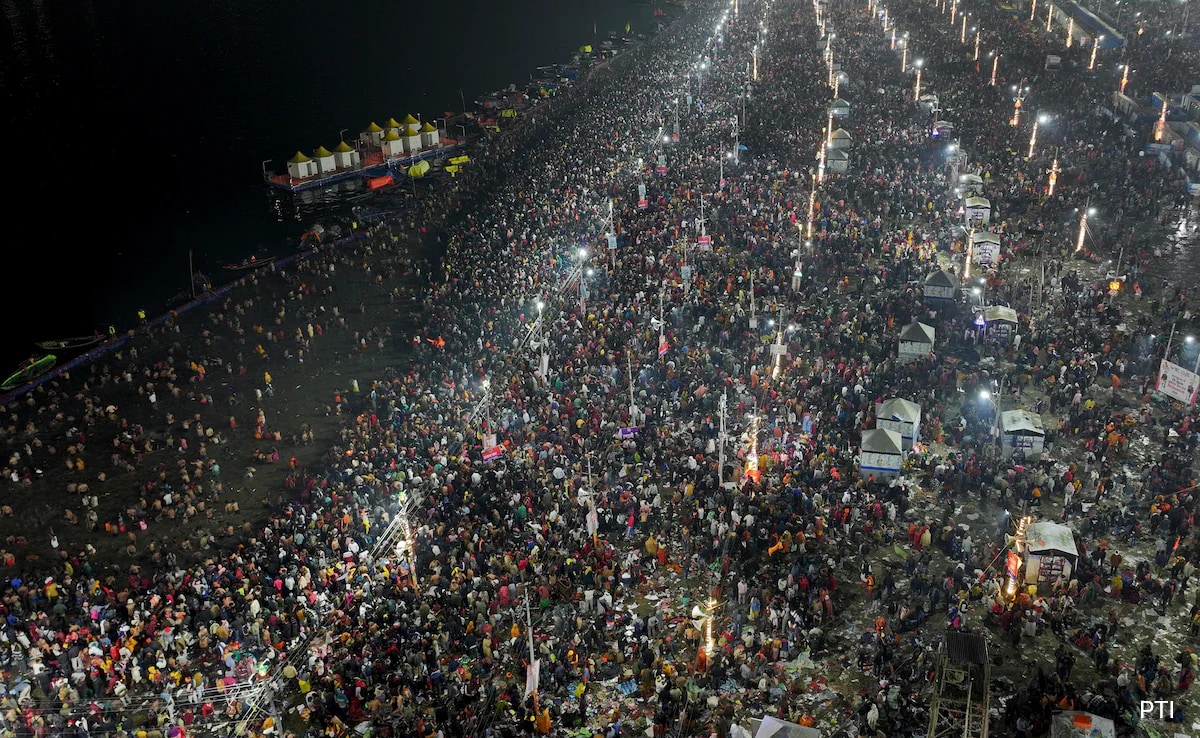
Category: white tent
<point>840,108</point>
<point>839,161</point>
<point>1000,321</point>
<point>902,416</point>
<point>840,139</point>
<point>985,247</point>
<point>773,727</point>
<point>970,184</point>
<point>1082,725</point>
<point>882,451</point>
<point>977,210</point>
<point>1021,430</point>
<point>1050,552</point>
<point>916,341</point>
<point>941,285</point>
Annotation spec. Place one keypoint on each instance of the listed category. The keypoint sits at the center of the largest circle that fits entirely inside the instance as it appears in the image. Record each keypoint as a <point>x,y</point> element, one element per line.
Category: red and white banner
<point>663,347</point>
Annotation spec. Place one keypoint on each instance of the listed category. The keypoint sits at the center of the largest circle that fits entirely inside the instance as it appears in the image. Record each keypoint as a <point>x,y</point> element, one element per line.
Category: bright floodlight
<point>582,253</point>
<point>985,394</point>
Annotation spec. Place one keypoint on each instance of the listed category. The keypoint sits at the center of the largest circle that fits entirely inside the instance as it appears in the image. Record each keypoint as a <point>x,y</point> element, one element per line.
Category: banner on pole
<point>663,347</point>
<point>593,523</point>
<point>531,677</point>
<point>1177,383</point>
<point>492,453</point>
<point>629,432</point>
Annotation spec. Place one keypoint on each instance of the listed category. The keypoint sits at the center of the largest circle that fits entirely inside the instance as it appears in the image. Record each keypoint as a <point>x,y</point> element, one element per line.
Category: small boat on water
<point>30,369</point>
<point>252,263</point>
<point>75,342</point>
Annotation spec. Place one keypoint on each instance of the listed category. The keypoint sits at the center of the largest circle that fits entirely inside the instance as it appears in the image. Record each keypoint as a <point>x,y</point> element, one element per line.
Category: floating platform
<point>373,164</point>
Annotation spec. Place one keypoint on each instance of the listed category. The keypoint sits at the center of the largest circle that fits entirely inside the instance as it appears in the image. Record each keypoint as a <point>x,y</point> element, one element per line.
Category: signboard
<point>492,453</point>
<point>663,347</point>
<point>629,432</point>
<point>532,672</point>
<point>685,272</point>
<point>1012,565</point>
<point>778,349</point>
<point>806,424</point>
<point>612,241</point>
<point>643,204</point>
<point>593,523</point>
<point>641,192</point>
<point>661,169</point>
<point>704,240</point>
<point>1177,383</point>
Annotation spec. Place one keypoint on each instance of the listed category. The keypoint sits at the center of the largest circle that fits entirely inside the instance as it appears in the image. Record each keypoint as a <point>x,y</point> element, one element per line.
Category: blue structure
<point>1089,24</point>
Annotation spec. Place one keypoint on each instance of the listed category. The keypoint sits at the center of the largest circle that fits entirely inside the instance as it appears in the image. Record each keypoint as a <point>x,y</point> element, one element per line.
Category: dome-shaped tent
<point>373,134</point>
<point>409,120</point>
<point>301,166</point>
<point>412,138</point>
<point>393,144</point>
<point>324,160</point>
<point>345,156</point>
<point>429,135</point>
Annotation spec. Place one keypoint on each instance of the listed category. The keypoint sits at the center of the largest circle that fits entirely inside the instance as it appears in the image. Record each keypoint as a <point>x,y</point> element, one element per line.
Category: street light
<point>917,88</point>
<point>995,67</point>
<point>1084,214</point>
<point>1124,77</point>
<point>1033,134</point>
<point>1095,48</point>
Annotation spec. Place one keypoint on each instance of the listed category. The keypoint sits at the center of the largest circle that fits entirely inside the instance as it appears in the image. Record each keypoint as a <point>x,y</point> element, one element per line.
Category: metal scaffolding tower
<point>959,707</point>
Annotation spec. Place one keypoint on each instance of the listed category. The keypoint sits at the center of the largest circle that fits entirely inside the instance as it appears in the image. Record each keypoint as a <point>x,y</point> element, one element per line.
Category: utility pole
<point>722,437</point>
<point>633,408</point>
<point>753,315</point>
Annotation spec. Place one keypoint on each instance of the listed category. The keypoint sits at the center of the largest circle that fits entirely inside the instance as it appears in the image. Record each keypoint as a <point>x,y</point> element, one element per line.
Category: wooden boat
<point>75,342</point>
<point>30,369</point>
<point>252,263</point>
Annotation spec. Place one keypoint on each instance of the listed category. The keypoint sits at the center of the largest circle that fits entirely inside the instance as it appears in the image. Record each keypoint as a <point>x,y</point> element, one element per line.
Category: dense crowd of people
<point>594,459</point>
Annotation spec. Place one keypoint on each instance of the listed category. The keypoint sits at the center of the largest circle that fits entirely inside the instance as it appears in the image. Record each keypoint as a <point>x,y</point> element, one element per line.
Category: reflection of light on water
<point>1176,256</point>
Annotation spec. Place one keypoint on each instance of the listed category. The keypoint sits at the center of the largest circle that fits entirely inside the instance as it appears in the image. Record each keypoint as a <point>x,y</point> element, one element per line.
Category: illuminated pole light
<point>829,129</point>
<point>1083,218</point>
<point>837,81</point>
<point>917,86</point>
<point>1033,136</point>
<point>1070,32</point>
<point>995,68</point>
<point>1016,119</point>
<point>821,163</point>
<point>754,72</point>
<point>969,254</point>
<point>812,209</point>
<point>1160,128</point>
<point>953,12</point>
<point>962,35</point>
<point>1095,48</point>
<point>904,58</point>
<point>1033,12</point>
<point>893,38</point>
<point>1124,78</point>
<point>1049,17</point>
<point>977,33</point>
<point>1054,170</point>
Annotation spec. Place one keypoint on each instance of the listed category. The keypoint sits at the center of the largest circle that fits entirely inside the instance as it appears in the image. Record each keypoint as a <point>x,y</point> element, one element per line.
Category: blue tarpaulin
<point>1090,25</point>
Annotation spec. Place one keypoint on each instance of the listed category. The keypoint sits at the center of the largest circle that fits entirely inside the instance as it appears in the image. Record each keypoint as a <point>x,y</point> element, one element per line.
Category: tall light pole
<point>995,67</point>
<point>1084,213</point>
<point>904,55</point>
<point>1070,32</point>
<point>962,36</point>
<point>583,291</point>
<point>1033,11</point>
<point>977,34</point>
<point>1054,170</point>
<point>917,87</point>
<point>1049,17</point>
<point>1095,48</point>
<point>1033,134</point>
<point>1124,77</point>
<point>754,62</point>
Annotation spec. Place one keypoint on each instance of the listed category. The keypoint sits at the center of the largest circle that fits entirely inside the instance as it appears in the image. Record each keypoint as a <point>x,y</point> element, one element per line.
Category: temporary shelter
<point>916,341</point>
<point>840,139</point>
<point>392,124</point>
<point>301,166</point>
<point>772,727</point>
<point>902,416</point>
<point>324,159</point>
<point>928,102</point>
<point>971,184</point>
<point>1049,552</point>
<point>1082,725</point>
<point>838,161</point>
<point>977,210</point>
<point>393,144</point>
<point>409,120</point>
<point>420,169</point>
<point>941,285</point>
<point>840,108</point>
<point>412,138</point>
<point>373,134</point>
<point>881,453</point>
<point>1000,322</point>
<point>985,247</point>
<point>345,156</point>
<point>429,136</point>
<point>1021,430</point>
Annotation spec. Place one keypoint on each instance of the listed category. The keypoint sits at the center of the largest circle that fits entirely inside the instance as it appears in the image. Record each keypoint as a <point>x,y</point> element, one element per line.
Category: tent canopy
<point>409,120</point>
<point>343,148</point>
<point>374,128</point>
<point>299,158</point>
<point>322,152</point>
<point>916,331</point>
<point>999,313</point>
<point>420,169</point>
<point>970,178</point>
<point>942,278</point>
<point>1050,538</point>
<point>984,237</point>
<point>978,202</point>
<point>773,727</point>
<point>841,133</point>
<point>899,409</point>
<point>882,441</point>
<point>1023,422</point>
